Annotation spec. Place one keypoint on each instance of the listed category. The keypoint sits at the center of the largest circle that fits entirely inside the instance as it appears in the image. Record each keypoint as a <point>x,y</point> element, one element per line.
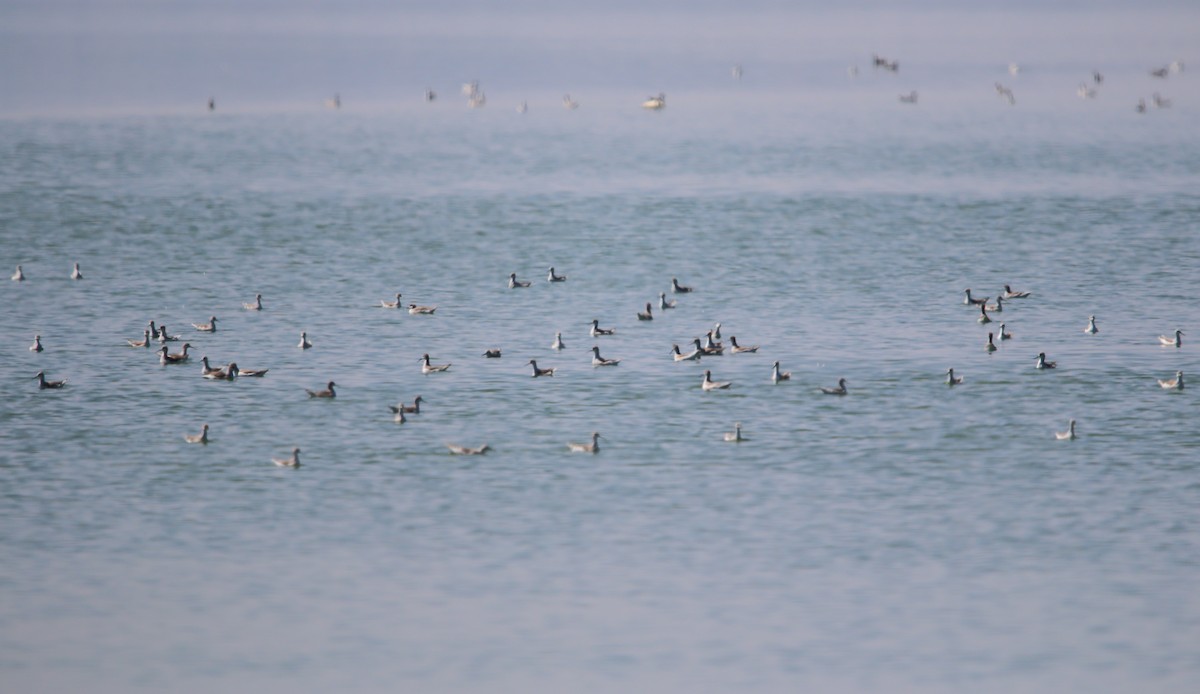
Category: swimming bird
<point>37,344</point>
<point>648,315</point>
<point>713,351</point>
<point>414,408</point>
<point>251,373</point>
<point>75,273</point>
<point>735,348</point>
<point>1176,341</point>
<point>593,447</point>
<point>991,346</point>
<point>558,343</point>
<point>399,418</point>
<point>551,277</point>
<point>1043,364</point>
<point>655,103</point>
<point>598,360</point>
<point>983,316</point>
<point>492,353</point>
<point>427,368</point>
<point>256,306</point>
<point>716,331</point>
<point>44,384</point>
<point>304,343</point>
<point>1174,383</point>
<point>998,307</point>
<point>1069,434</point>
<point>839,390</point>
<point>229,373</point>
<point>1009,293</point>
<point>951,380</point>
<point>663,303</point>
<point>144,342</point>
<point>540,372</point>
<point>597,331</point>
<point>514,283</point>
<point>1091,328</point>
<point>177,358</point>
<point>694,355</point>
<point>1004,335</point>
<point>202,437</point>
<point>709,384</point>
<point>735,436</point>
<point>19,275</point>
<point>968,300</point>
<point>777,375</point>
<point>205,368</point>
<point>711,345</point>
<point>292,462</point>
<point>384,303</point>
<point>209,327</point>
<point>164,336</point>
<point>679,288</point>
<point>327,393</point>
<point>467,450</point>
<point>421,310</point>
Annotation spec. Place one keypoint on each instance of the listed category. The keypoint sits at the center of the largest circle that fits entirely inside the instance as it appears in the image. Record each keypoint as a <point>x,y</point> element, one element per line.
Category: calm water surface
<point>905,537</point>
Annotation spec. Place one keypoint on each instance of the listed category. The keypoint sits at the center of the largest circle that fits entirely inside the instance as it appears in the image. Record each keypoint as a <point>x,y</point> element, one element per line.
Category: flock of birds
<point>710,346</point>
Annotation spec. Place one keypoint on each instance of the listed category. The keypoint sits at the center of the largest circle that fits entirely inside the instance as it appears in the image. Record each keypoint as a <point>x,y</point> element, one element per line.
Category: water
<point>905,537</point>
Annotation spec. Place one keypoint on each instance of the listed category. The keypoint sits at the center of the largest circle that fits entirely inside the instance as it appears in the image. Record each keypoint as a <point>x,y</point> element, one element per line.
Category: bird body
<point>43,384</point>
<point>1069,434</point>
<point>597,331</point>
<point>428,368</point>
<point>648,315</point>
<point>540,372</point>
<point>304,343</point>
<point>735,436</point>
<point>679,288</point>
<point>777,375</point>
<point>327,393</point>
<point>421,310</point>
<point>738,349</point>
<point>839,390</point>
<point>202,437</point>
<point>384,303</point>
<point>951,379</point>
<point>467,450</point>
<point>1043,364</point>
<point>209,327</point>
<point>593,447</point>
<point>37,344</point>
<point>694,355</point>
<point>292,462</point>
<point>551,277</point>
<point>514,283</point>
<point>1172,384</point>
<point>144,342</point>
<point>1176,341</point>
<point>709,384</point>
<point>598,360</point>
<point>256,305</point>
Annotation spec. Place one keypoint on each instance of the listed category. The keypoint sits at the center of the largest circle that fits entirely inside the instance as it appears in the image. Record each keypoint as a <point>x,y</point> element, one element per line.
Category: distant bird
<point>663,303</point>
<point>209,327</point>
<point>839,390</point>
<point>550,276</point>
<point>427,368</point>
<point>951,380</point>
<point>1014,69</point>
<point>983,316</point>
<point>1141,106</point>
<point>292,462</point>
<point>593,447</point>
<point>998,307</point>
<point>1091,328</point>
<point>1161,72</point>
<point>735,348</point>
<point>229,373</point>
<point>679,288</point>
<point>1176,341</point>
<point>75,273</point>
<point>384,303</point>
<point>467,450</point>
<point>1010,293</point>
<point>648,315</point>
<point>202,437</point>
<point>1003,334</point>
<point>540,372</point>
<point>1159,101</point>
<point>251,373</point>
<point>1172,384</point>
<point>421,310</point>
<point>736,71</point>
<point>991,346</point>
<point>327,393</point>
<point>1085,92</point>
<point>206,368</point>
<point>598,360</point>
<point>909,98</point>
<point>711,349</point>
<point>414,408</point>
<point>1007,93</point>
<point>558,343</point>
<point>37,344</point>
<point>716,331</point>
<point>177,358</point>
<point>19,275</point>
<point>968,300</point>
<point>43,384</point>
<point>1043,364</point>
<point>1069,434</point>
<point>304,343</point>
<point>430,95</point>
<point>655,103</point>
<point>597,331</point>
<point>514,283</point>
<point>523,107</point>
<point>399,418</point>
<point>212,104</point>
<point>694,355</point>
<point>1097,77</point>
<point>777,375</point>
<point>569,103</point>
<point>144,342</point>
<point>256,305</point>
<point>492,354</point>
<point>164,336</point>
<point>735,436</point>
<point>709,384</point>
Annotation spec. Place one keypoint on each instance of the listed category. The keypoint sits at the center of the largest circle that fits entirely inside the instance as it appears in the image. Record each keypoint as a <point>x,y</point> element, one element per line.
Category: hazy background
<point>137,55</point>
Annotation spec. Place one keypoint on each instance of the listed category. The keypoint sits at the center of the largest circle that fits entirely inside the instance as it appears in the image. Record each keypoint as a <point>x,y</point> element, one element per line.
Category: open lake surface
<point>906,536</point>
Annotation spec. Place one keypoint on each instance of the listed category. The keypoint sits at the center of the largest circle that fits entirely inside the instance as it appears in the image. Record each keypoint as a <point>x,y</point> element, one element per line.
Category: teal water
<point>904,537</point>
